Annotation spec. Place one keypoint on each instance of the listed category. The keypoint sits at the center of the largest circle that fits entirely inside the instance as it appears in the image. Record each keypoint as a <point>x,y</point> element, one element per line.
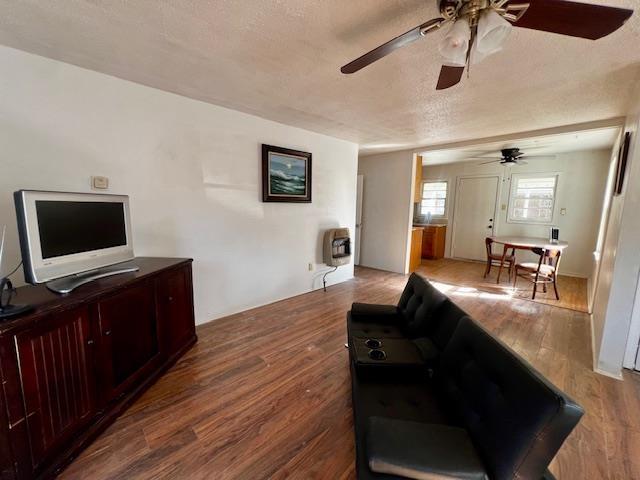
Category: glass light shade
<point>454,45</point>
<point>493,30</point>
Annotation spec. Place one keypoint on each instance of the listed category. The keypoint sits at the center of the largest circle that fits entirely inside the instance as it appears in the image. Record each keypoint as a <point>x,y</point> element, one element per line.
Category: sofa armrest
<point>373,313</point>
<point>421,450</point>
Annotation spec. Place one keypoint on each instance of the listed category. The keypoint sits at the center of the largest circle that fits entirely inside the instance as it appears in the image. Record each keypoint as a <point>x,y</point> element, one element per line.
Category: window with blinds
<point>532,198</point>
<point>434,199</point>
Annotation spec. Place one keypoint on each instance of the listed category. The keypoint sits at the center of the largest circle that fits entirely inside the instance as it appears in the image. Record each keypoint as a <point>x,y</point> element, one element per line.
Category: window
<point>434,199</point>
<point>532,198</point>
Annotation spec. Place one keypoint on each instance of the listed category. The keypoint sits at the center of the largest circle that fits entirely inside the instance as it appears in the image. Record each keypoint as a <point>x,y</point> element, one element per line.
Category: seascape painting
<point>286,175</point>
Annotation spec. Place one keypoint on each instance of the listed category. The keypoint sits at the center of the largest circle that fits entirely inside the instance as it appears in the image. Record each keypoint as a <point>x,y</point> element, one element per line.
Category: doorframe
<point>358,226</point>
<point>459,179</point>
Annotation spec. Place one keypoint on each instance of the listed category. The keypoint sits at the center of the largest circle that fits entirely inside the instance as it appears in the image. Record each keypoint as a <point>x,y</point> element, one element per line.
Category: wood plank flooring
<point>266,393</point>
<point>573,290</point>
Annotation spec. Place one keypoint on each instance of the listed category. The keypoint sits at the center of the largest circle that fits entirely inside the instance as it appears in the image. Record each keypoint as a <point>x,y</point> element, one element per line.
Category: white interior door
<point>474,216</point>
<point>359,190</point>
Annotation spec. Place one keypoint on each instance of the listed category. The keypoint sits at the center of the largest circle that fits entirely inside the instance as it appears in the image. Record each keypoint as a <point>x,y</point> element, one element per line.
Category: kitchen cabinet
<point>433,240</point>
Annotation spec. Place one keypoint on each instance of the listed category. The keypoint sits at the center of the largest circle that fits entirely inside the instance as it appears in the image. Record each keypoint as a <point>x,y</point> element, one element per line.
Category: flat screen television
<point>63,234</point>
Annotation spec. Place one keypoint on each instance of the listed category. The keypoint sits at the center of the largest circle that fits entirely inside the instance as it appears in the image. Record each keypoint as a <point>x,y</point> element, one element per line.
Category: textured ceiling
<point>280,60</point>
<point>596,139</point>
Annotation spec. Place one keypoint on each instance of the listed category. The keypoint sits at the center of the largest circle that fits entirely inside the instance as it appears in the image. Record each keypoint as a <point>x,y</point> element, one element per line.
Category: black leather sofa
<point>448,400</point>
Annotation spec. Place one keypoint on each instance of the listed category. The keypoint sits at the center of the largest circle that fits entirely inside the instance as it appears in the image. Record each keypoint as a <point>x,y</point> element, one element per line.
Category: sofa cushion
<point>418,303</point>
<point>444,323</point>
<point>428,350</point>
<point>421,450</point>
<point>372,330</point>
<point>373,313</point>
<point>516,419</point>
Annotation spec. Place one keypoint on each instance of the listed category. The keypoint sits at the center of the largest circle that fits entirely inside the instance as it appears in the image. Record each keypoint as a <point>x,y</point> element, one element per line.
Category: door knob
<point>107,333</point>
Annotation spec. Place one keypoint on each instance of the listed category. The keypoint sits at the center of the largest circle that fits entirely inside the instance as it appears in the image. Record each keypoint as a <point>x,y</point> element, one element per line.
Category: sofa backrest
<point>515,417</point>
<point>427,312</point>
<point>444,323</point>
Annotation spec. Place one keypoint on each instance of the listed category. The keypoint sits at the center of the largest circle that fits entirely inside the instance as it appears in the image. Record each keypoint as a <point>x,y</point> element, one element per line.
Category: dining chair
<point>541,273</point>
<point>495,259</point>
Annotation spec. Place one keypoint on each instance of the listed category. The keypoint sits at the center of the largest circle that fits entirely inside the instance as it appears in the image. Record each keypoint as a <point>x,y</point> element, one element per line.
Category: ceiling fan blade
<point>449,76</point>
<point>538,156</point>
<point>492,161</point>
<point>521,162</point>
<point>572,18</point>
<point>385,49</point>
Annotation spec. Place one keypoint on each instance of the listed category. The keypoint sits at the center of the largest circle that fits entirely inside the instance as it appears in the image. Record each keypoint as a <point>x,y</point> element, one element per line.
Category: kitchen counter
<point>429,225</point>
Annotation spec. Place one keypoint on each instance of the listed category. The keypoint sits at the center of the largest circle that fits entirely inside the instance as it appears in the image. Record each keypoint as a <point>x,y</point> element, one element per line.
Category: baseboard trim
<point>594,362</point>
<point>609,374</point>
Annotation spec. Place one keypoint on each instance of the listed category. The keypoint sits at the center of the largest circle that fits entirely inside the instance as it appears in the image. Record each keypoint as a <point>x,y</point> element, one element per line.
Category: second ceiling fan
<point>479,27</point>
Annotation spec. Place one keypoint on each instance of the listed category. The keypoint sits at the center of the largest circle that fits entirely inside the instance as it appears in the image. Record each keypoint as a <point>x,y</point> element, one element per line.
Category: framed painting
<point>621,167</point>
<point>286,175</point>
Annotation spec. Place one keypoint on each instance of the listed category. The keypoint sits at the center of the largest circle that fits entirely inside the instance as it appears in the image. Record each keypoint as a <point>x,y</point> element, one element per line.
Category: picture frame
<point>286,175</point>
<point>621,166</point>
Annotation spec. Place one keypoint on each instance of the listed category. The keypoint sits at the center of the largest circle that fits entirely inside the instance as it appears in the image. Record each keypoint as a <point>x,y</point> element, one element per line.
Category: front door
<point>474,216</point>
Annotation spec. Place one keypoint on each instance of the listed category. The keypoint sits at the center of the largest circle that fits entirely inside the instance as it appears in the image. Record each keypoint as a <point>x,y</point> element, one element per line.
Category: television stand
<point>67,284</point>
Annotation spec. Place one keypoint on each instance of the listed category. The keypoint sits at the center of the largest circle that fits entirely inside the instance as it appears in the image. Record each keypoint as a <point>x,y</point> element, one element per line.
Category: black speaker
<point>554,234</point>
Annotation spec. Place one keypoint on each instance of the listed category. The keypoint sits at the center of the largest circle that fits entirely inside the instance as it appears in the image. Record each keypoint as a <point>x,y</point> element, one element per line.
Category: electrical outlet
<point>563,211</point>
<point>311,267</point>
<point>100,183</point>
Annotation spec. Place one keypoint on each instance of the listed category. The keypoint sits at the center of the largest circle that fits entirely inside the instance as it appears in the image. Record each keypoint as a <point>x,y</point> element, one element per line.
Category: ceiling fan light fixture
<point>455,43</point>
<point>493,30</point>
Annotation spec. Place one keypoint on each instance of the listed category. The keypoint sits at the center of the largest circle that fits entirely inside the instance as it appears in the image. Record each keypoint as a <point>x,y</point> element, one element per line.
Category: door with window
<point>474,216</point>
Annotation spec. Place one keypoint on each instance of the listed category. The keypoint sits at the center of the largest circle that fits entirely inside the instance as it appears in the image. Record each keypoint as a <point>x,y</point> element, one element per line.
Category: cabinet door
<point>58,383</point>
<point>129,341</point>
<point>175,309</point>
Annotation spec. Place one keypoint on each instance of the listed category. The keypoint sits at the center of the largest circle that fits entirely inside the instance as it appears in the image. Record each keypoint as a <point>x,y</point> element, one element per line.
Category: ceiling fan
<point>510,156</point>
<point>479,28</point>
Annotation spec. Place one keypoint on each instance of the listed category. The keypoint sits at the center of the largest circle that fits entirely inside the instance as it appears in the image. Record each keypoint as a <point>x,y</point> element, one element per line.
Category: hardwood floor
<point>266,393</point>
<point>573,290</point>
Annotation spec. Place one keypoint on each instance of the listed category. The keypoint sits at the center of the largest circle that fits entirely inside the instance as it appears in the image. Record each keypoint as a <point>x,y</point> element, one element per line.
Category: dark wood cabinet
<point>74,363</point>
<point>129,338</point>
<point>58,383</point>
<point>175,309</point>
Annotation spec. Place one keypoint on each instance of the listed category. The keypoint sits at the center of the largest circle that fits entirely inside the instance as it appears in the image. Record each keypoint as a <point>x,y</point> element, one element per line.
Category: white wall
<point>582,179</point>
<point>192,170</point>
<point>387,210</point>
<point>620,265</point>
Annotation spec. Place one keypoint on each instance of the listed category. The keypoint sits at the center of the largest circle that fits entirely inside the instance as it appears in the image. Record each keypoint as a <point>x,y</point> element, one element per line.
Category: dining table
<point>525,243</point>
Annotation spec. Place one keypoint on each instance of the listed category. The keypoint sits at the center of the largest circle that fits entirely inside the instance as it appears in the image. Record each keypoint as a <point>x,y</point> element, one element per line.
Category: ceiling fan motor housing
<point>510,154</point>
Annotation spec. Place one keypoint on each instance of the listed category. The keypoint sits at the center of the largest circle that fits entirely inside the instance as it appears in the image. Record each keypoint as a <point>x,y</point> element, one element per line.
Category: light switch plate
<point>100,183</point>
<point>563,211</point>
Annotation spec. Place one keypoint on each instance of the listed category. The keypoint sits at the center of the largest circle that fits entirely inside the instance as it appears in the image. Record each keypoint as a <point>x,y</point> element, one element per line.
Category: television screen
<point>64,234</point>
<point>74,227</point>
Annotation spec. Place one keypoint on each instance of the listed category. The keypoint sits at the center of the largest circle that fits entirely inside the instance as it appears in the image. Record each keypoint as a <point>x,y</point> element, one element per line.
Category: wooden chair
<point>543,272</point>
<point>494,259</point>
